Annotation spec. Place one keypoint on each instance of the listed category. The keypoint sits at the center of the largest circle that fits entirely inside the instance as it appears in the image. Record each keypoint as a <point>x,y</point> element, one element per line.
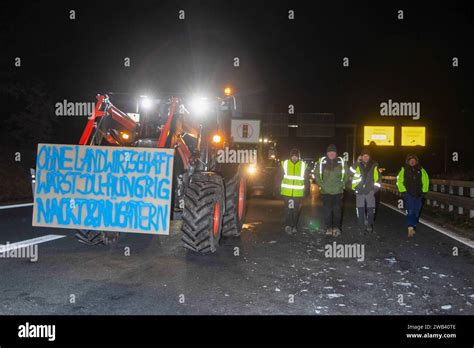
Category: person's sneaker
<point>328,231</point>
<point>411,231</point>
<point>294,230</point>
<point>370,228</point>
<point>336,232</point>
<point>288,229</point>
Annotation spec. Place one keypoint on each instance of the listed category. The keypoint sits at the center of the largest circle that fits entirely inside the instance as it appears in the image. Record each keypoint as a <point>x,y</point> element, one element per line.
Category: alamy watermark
<point>345,251</point>
<point>227,155</point>
<point>25,252</point>
<point>67,108</point>
<point>409,109</point>
<point>28,330</point>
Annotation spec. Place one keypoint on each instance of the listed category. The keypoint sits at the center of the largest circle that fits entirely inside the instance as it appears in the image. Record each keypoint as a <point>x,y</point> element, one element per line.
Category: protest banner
<point>107,188</point>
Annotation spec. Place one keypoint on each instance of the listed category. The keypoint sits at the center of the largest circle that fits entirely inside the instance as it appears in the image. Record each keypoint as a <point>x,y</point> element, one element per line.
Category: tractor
<point>209,197</point>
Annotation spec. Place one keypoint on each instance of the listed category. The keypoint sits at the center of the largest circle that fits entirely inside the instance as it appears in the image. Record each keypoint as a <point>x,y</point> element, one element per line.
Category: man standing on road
<point>413,182</point>
<point>365,183</point>
<point>331,177</point>
<point>294,178</point>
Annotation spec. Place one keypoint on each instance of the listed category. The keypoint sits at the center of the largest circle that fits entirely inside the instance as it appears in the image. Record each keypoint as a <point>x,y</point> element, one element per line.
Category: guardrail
<point>450,194</point>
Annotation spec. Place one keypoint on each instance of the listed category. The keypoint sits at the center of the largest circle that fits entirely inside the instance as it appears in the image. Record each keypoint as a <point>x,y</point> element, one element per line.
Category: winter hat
<point>365,151</point>
<point>410,156</point>
<point>331,148</point>
<point>295,152</point>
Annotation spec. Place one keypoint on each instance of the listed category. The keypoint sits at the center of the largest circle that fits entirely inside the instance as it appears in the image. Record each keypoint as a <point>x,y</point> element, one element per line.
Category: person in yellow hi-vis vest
<point>294,178</point>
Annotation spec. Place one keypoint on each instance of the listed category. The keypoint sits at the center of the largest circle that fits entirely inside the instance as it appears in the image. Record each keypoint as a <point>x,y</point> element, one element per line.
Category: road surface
<point>263,272</point>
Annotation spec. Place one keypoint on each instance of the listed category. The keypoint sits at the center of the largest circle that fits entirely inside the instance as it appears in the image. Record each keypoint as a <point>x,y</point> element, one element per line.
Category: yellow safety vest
<point>292,184</point>
<point>357,178</point>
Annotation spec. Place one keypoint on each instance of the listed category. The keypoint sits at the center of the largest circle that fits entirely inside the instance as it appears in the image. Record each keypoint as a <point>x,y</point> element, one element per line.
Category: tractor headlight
<point>126,137</point>
<point>146,102</point>
<point>216,139</point>
<point>199,105</point>
<point>252,169</point>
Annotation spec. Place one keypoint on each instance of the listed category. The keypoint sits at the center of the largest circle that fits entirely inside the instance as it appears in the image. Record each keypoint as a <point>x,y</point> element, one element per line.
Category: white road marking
<point>16,206</point>
<point>29,242</point>
<point>435,227</point>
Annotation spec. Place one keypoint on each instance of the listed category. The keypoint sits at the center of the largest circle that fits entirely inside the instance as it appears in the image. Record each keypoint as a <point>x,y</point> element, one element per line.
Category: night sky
<point>282,61</point>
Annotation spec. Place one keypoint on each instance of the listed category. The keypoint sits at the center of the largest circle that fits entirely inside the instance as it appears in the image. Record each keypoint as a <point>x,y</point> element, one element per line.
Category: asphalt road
<point>264,271</point>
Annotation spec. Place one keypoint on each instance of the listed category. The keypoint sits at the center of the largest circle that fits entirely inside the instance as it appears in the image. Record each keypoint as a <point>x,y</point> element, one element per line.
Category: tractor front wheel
<point>204,207</point>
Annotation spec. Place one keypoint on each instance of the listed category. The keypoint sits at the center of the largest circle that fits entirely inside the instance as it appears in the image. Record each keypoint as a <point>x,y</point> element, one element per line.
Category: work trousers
<point>361,200</point>
<point>332,209</point>
<point>292,210</point>
<point>413,206</point>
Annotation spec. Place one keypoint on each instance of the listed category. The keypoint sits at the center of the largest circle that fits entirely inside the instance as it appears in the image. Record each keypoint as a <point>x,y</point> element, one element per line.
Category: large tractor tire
<point>92,237</point>
<point>236,206</point>
<point>204,207</point>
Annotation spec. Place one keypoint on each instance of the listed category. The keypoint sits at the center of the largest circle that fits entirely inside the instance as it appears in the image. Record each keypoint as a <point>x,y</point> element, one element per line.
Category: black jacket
<point>412,180</point>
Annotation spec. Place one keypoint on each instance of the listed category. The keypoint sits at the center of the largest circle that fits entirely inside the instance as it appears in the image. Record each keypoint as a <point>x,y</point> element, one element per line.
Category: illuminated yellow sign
<point>413,136</point>
<point>380,135</point>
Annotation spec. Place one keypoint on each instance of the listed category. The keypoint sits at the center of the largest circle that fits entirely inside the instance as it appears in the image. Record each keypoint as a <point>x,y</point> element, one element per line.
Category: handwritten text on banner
<point>103,188</point>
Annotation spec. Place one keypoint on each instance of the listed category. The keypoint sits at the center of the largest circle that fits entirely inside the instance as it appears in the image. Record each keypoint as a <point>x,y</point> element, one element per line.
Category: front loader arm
<point>105,107</point>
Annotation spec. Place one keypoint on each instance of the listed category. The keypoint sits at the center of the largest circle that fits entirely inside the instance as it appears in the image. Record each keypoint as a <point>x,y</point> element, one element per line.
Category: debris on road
<point>331,296</point>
